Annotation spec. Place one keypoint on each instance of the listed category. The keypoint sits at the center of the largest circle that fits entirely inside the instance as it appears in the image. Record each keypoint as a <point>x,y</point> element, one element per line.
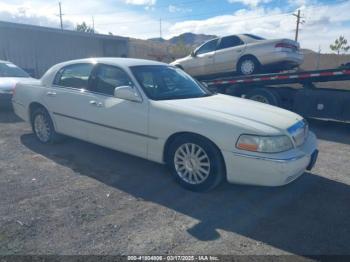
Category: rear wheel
<point>248,66</point>
<point>43,127</point>
<point>196,163</point>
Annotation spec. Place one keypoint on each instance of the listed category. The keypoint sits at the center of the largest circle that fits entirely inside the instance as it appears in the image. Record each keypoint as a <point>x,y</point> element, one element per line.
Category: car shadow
<point>308,216</point>
<point>8,116</point>
<point>331,130</point>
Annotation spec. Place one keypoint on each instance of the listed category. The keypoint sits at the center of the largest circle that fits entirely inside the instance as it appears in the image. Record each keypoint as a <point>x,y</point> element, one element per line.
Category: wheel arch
<point>32,107</point>
<point>247,56</point>
<point>172,138</point>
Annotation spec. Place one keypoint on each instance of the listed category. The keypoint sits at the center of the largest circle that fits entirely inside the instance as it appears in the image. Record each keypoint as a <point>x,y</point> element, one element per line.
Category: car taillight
<point>285,45</point>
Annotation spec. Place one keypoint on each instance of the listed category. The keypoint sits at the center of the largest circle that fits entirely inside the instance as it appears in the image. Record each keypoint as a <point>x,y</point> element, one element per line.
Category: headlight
<point>264,144</point>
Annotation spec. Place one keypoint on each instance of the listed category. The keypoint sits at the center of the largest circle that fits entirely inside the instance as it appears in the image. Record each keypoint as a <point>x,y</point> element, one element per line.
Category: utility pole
<point>60,14</point>
<point>93,24</point>
<point>160,28</point>
<point>298,22</point>
<point>318,58</point>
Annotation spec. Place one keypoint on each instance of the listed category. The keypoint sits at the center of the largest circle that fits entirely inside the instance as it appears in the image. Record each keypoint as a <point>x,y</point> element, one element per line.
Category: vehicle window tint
<point>107,78</point>
<point>11,70</point>
<point>76,76</point>
<point>208,47</point>
<point>230,41</point>
<point>163,83</point>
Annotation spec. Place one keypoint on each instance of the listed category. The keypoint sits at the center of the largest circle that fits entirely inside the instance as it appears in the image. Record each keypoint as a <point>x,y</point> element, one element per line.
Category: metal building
<point>36,48</point>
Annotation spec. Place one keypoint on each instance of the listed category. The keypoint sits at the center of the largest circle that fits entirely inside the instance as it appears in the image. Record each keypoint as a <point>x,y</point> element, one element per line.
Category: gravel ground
<point>79,198</point>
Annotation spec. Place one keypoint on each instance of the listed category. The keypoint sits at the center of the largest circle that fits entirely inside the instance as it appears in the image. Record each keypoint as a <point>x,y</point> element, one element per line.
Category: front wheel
<point>196,163</point>
<point>43,127</point>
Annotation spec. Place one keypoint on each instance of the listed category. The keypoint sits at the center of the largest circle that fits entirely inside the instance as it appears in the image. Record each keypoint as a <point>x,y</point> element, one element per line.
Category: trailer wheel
<point>265,96</point>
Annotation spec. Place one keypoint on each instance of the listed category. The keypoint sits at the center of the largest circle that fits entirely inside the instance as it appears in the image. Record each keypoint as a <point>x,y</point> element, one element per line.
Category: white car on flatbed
<point>245,54</point>
<point>158,112</point>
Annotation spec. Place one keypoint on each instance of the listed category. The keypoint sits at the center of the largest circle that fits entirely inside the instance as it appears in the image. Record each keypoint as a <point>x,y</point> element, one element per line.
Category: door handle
<point>95,103</point>
<point>50,93</point>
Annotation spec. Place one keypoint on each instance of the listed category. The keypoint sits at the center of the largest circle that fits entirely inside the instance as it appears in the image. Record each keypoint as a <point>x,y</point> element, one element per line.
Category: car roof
<point>118,61</point>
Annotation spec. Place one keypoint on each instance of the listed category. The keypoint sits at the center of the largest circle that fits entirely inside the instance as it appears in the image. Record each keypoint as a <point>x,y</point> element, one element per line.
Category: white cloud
<point>323,22</point>
<point>176,9</point>
<point>141,2</point>
<point>251,3</point>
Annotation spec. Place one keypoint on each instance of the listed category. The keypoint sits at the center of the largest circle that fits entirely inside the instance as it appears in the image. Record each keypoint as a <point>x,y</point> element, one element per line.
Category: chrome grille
<point>299,132</point>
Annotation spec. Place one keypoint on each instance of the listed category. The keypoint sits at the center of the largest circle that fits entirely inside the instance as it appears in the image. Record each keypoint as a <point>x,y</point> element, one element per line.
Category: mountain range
<point>188,39</point>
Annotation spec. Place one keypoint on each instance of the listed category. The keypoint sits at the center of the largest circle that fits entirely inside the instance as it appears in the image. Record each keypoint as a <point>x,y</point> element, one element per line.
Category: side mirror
<point>193,54</point>
<point>127,93</point>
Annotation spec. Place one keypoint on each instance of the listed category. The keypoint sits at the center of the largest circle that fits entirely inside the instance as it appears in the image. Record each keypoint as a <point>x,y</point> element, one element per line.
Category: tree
<point>340,45</point>
<point>83,27</point>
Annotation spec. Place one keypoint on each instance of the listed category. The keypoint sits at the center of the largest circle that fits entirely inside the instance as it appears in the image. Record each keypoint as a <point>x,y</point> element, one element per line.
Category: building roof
<point>11,25</point>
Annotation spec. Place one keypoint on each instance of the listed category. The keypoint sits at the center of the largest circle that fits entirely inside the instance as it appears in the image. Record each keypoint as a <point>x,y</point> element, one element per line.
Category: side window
<point>107,78</point>
<point>76,76</point>
<point>208,47</point>
<point>230,41</point>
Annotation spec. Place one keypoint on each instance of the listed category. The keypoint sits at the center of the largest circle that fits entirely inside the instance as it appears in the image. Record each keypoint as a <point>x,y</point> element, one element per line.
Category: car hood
<point>239,111</point>
<point>7,84</point>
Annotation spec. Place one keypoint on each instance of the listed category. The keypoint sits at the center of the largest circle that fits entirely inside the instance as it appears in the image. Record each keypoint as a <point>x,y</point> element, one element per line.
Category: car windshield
<point>11,70</point>
<point>255,37</point>
<point>166,82</point>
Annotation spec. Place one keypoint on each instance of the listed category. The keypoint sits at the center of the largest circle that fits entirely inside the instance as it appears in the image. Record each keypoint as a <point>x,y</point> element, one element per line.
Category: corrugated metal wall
<point>36,49</point>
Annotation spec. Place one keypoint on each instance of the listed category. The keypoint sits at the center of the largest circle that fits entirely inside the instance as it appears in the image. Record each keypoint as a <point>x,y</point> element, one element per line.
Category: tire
<point>265,96</point>
<point>248,65</point>
<point>43,128</point>
<point>208,159</point>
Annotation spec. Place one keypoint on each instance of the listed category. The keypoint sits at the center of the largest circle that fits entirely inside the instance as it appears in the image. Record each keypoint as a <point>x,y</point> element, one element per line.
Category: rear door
<point>229,50</point>
<point>69,102</point>
<point>203,60</point>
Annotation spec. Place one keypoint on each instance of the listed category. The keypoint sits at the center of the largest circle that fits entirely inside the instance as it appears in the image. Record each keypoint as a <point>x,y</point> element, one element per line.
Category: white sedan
<point>10,75</point>
<point>158,112</point>
<point>245,54</point>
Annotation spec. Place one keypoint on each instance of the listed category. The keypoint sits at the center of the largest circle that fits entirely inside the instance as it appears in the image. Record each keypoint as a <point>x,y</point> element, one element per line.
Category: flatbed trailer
<point>296,91</point>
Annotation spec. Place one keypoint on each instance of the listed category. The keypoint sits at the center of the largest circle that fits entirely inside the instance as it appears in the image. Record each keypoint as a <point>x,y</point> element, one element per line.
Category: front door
<point>203,60</point>
<point>116,123</point>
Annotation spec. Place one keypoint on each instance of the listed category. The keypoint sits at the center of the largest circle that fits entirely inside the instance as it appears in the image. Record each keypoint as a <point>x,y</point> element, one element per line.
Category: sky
<point>322,20</point>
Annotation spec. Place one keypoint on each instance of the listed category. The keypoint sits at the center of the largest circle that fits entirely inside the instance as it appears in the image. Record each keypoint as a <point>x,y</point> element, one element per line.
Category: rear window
<point>75,76</point>
<point>11,70</point>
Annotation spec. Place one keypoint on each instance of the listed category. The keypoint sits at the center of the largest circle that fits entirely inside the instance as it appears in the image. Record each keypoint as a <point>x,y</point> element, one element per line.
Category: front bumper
<point>271,169</point>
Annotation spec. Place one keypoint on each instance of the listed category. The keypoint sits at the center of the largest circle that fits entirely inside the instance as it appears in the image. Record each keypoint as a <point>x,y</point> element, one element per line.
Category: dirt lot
<point>79,198</point>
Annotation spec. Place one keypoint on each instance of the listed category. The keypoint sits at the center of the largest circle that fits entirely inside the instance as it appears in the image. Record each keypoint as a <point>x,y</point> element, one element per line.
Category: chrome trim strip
<point>279,160</point>
<point>107,126</point>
